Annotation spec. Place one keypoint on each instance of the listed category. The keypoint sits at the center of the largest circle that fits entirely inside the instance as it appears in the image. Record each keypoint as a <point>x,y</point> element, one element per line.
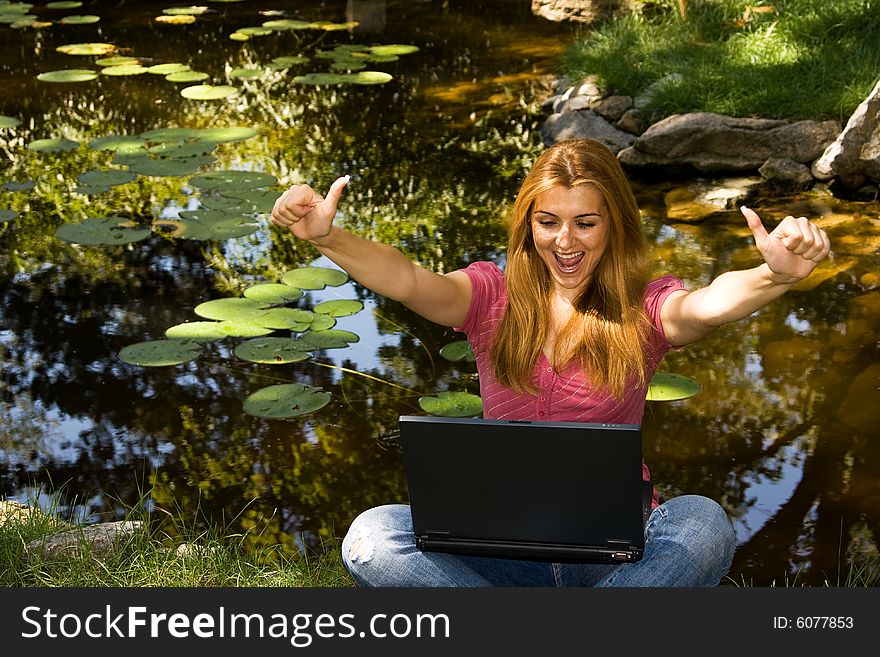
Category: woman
<point>572,330</point>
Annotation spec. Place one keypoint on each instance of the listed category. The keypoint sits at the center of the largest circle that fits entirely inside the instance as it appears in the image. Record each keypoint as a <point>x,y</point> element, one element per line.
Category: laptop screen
<point>541,490</point>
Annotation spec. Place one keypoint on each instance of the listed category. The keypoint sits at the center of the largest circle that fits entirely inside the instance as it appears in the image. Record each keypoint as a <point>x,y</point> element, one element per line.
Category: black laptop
<point>545,491</point>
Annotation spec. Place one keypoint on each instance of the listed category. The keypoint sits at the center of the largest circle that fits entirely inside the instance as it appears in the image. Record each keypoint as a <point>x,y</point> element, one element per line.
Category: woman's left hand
<point>793,249</point>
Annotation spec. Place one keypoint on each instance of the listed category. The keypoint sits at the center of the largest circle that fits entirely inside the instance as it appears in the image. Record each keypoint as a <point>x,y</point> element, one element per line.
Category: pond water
<point>784,433</point>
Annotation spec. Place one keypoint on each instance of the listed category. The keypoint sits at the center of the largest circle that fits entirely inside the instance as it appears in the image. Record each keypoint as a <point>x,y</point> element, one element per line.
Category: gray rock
<point>578,11</point>
<point>99,539</point>
<point>853,154</point>
<point>785,173</point>
<point>584,124</point>
<point>715,143</point>
<point>612,107</point>
<point>632,122</point>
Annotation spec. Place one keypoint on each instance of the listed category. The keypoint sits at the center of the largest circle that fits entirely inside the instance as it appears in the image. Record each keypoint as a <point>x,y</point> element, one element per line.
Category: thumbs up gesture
<point>307,214</point>
<point>793,249</point>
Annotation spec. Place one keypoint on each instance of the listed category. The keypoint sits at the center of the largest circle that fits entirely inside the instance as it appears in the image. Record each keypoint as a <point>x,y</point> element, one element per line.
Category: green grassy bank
<point>789,59</point>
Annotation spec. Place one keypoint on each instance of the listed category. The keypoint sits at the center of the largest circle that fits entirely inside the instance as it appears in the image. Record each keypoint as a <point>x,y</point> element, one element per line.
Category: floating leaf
<point>102,231</point>
<point>246,73</point>
<point>452,404</point>
<point>314,278</point>
<point>108,177</point>
<point>233,179</point>
<point>158,353</point>
<point>69,4</point>
<point>160,167</point>
<point>181,149</point>
<point>226,135</point>
<point>666,386</point>
<point>393,49</point>
<point>339,307</point>
<point>273,293</point>
<point>117,143</point>
<point>193,10</point>
<point>170,134</point>
<point>231,308</point>
<point>124,69</point>
<point>255,200</point>
<point>286,400</point>
<point>179,19</point>
<point>293,319</point>
<point>210,331</point>
<point>207,92</point>
<point>59,145</point>
<point>85,19</point>
<point>257,30</point>
<point>330,338</point>
<point>8,121</point>
<point>68,75</point>
<point>13,186</point>
<point>322,323</point>
<point>91,190</point>
<point>7,215</point>
<point>167,69</point>
<point>321,78</point>
<point>116,60</point>
<point>87,48</point>
<point>274,351</point>
<point>280,63</point>
<point>187,76</point>
<point>287,24</point>
<point>370,77</point>
<point>458,351</point>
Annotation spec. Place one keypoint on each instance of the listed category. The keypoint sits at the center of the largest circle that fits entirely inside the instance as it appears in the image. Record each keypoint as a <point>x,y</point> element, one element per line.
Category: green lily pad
<point>158,353</point>
<point>68,75</point>
<point>666,386</point>
<point>286,400</point>
<point>330,338</point>
<point>117,143</point>
<point>181,149</point>
<point>228,204</point>
<point>321,78</point>
<point>102,231</point>
<point>167,69</point>
<point>193,10</point>
<point>91,190</point>
<point>255,30</point>
<point>85,19</point>
<point>87,49</point>
<point>393,49</point>
<point>255,200</point>
<point>8,121</point>
<point>170,134</point>
<point>210,331</point>
<point>339,307</point>
<point>125,69</point>
<point>226,135</point>
<point>322,323</point>
<point>13,186</point>
<point>293,319</point>
<point>109,177</point>
<point>273,294</point>
<point>187,76</point>
<point>7,215</point>
<point>180,19</point>
<point>273,351</point>
<point>286,61</point>
<point>287,24</point>
<point>233,179</point>
<point>452,404</point>
<point>207,92</point>
<point>246,73</point>
<point>59,145</point>
<point>314,278</point>
<point>231,308</point>
<point>239,36</point>
<point>370,77</point>
<point>458,351</point>
<point>116,60</point>
<point>348,65</point>
<point>167,167</point>
<point>197,230</point>
<point>68,4</point>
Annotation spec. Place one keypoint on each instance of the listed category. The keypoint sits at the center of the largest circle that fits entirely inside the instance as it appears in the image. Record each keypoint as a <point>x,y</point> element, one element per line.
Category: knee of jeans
<point>367,530</point>
<point>721,538</point>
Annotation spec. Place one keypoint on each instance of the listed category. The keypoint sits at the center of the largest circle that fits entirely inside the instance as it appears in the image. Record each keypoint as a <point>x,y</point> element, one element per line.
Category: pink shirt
<point>563,395</point>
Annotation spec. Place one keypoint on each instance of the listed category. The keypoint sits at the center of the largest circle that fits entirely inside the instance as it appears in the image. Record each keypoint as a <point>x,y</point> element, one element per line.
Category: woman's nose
<point>564,236</point>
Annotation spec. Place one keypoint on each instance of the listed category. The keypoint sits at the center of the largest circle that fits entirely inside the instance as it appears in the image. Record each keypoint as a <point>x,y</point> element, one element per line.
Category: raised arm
<point>791,252</point>
<point>443,299</point>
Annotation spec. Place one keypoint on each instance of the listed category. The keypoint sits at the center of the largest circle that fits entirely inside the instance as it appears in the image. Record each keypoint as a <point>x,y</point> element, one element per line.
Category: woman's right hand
<point>307,214</point>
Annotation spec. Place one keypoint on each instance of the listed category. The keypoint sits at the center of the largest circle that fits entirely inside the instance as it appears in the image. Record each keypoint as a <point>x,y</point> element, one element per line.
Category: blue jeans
<point>689,541</point>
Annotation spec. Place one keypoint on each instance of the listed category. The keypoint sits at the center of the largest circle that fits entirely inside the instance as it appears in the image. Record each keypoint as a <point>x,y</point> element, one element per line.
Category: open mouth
<point>568,262</point>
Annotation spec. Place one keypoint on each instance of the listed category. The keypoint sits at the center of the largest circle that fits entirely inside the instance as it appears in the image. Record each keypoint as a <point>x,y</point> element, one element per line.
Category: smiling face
<point>570,229</point>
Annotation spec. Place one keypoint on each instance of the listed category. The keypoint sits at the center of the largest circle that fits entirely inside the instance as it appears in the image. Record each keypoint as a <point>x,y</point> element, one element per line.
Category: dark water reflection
<point>784,433</point>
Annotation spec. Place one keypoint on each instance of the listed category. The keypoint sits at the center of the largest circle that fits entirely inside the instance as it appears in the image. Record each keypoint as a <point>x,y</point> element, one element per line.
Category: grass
<point>152,558</point>
<point>787,59</point>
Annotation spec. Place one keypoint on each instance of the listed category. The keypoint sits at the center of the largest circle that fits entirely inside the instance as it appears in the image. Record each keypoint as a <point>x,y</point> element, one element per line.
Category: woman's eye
<point>585,224</point>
